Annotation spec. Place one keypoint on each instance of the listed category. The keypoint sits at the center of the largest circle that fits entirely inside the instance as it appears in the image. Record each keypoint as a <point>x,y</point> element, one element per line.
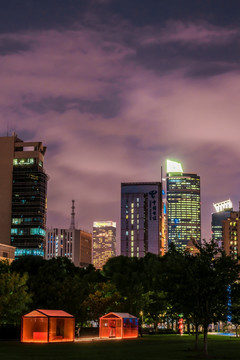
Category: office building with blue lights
<point>184,206</point>
<point>23,195</point>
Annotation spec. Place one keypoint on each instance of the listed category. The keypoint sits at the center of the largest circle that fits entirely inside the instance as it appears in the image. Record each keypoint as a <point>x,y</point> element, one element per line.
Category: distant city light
<point>223,205</point>
<point>174,167</point>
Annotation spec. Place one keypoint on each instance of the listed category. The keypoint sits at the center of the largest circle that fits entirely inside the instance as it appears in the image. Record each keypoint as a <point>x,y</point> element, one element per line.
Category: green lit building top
<point>184,207</point>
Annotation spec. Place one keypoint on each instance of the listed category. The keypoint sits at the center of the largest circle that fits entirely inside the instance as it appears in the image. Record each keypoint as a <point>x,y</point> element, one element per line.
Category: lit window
<point>22,162</point>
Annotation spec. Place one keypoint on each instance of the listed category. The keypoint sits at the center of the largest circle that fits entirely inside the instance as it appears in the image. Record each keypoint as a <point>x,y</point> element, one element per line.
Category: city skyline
<point>114,89</point>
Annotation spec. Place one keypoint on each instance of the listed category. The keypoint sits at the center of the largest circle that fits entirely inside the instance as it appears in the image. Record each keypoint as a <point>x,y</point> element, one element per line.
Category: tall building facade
<point>74,244</point>
<point>23,184</point>
<point>184,206</point>
<point>141,219</point>
<point>104,242</point>
<point>231,234</point>
<point>222,212</point>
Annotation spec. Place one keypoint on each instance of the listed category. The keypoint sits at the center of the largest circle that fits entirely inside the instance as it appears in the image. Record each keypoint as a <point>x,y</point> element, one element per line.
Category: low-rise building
<point>75,244</point>
<point>7,252</point>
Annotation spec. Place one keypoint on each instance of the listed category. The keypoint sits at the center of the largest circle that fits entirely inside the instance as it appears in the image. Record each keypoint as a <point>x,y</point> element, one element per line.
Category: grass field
<point>155,347</point>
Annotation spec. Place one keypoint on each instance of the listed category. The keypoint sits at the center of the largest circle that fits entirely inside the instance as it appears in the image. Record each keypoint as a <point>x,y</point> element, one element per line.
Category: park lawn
<point>165,347</point>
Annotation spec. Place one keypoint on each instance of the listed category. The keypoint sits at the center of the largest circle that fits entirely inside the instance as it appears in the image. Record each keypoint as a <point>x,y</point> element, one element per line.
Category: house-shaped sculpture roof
<point>118,315</point>
<point>48,313</point>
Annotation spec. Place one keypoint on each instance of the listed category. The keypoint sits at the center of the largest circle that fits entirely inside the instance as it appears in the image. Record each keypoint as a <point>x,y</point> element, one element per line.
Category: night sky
<point>115,87</point>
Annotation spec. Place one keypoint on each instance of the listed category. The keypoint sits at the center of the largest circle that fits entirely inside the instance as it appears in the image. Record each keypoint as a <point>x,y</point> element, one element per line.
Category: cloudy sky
<point>114,87</point>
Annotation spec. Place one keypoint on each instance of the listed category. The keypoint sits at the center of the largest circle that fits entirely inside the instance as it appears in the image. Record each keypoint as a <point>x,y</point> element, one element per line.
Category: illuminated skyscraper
<point>141,219</point>
<point>104,242</point>
<point>23,187</point>
<point>231,235</point>
<point>184,207</point>
<point>223,211</point>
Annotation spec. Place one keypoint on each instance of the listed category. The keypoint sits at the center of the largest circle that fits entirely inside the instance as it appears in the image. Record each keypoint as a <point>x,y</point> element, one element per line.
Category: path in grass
<point>165,347</point>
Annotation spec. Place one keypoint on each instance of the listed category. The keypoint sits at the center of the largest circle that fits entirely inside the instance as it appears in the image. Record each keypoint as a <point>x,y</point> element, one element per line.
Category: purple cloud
<point>107,117</point>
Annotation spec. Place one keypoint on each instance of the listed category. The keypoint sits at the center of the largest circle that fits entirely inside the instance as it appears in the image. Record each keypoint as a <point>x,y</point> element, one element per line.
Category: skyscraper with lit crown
<point>184,206</point>
<point>222,212</point>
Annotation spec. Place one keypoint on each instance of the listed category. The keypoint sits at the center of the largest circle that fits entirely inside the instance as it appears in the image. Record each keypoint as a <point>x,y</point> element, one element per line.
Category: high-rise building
<point>23,184</point>
<point>104,242</point>
<point>74,244</point>
<point>231,234</point>
<point>141,219</point>
<point>222,212</point>
<point>184,207</point>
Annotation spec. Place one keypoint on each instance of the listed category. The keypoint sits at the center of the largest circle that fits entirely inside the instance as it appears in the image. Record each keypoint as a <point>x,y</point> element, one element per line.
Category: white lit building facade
<point>74,244</point>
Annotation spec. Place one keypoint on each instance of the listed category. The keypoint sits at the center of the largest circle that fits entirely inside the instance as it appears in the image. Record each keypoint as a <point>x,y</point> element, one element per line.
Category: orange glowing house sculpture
<point>47,326</point>
<point>118,325</point>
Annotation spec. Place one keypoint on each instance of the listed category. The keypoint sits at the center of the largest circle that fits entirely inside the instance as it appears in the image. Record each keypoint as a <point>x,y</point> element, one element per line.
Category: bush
<point>10,332</point>
<point>166,331</point>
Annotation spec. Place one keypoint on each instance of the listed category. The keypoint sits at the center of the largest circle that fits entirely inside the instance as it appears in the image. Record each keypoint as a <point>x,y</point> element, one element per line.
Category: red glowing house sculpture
<point>118,325</point>
<point>47,326</point>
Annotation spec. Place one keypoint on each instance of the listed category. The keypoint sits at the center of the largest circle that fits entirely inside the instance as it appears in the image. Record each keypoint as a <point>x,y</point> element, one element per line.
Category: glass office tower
<point>184,207</point>
<point>29,190</point>
<point>23,190</point>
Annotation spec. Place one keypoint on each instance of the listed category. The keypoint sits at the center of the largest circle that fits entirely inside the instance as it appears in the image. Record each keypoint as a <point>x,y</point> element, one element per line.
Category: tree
<point>198,285</point>
<point>14,296</point>
<point>125,273</point>
<point>154,306</point>
<point>234,295</point>
<point>57,283</point>
<point>138,282</point>
<point>104,299</point>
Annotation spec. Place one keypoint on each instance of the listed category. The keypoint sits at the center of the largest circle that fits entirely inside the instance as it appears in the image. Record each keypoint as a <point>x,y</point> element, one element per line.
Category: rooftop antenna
<point>7,127</point>
<point>72,226</point>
